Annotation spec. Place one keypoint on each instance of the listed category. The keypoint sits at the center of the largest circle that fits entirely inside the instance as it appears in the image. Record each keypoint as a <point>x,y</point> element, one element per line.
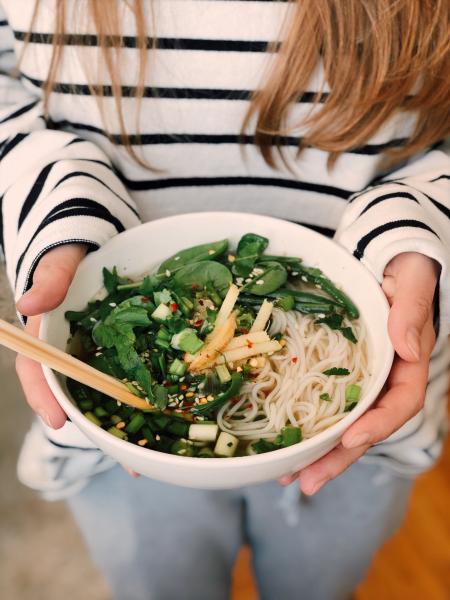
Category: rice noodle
<point>288,391</point>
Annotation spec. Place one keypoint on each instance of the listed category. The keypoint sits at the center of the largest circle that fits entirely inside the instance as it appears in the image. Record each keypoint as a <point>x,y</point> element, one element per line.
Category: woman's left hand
<point>409,284</point>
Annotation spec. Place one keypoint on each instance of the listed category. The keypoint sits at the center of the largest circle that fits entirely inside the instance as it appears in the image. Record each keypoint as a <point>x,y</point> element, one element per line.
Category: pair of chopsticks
<point>22,342</point>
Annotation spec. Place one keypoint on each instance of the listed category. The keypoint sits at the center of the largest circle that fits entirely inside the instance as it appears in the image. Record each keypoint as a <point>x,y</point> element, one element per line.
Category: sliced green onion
<point>118,433</point>
<point>89,415</point>
<point>325,397</point>
<point>223,374</point>
<point>290,435</point>
<point>135,424</point>
<point>352,393</point>
<point>178,368</point>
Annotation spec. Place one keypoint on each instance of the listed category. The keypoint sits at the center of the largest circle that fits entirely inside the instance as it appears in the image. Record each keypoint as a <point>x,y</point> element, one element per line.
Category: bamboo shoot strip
<point>262,317</point>
<point>245,352</point>
<point>248,340</point>
<point>226,308</point>
<point>22,342</point>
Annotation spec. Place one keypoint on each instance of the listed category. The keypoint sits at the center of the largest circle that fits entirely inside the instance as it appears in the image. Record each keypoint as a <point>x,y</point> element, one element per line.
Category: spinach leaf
<point>273,276</point>
<point>203,274</point>
<point>347,332</point>
<point>193,255</point>
<point>250,248</point>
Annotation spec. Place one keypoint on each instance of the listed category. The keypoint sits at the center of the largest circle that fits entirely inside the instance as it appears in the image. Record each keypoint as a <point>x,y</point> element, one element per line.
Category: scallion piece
<point>223,374</point>
<point>352,393</point>
<point>178,368</point>
<point>135,424</point>
<point>89,415</point>
<point>117,433</point>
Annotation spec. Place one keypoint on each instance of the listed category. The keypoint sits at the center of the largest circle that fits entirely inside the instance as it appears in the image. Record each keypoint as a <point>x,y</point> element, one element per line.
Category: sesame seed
<point>177,258</point>
<point>260,282</point>
<point>303,278</point>
<point>231,258</point>
<point>157,437</point>
<point>319,287</point>
<point>167,273</point>
<point>181,397</point>
<point>98,354</point>
<point>119,403</point>
<point>239,280</point>
<point>258,271</point>
<point>142,442</point>
<point>112,304</point>
<point>210,252</point>
<point>120,425</point>
<point>321,315</point>
<point>248,280</point>
<point>182,451</point>
<point>294,273</point>
<point>92,320</point>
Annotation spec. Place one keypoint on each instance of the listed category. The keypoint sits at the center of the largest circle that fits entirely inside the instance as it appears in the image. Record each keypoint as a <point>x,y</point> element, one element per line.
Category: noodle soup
<point>235,352</point>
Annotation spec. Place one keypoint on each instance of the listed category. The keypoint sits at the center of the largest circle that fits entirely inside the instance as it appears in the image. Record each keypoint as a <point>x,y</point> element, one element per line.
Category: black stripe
<point>34,193</point>
<point>3,23</point>
<point>365,240</point>
<point>440,177</point>
<point>85,207</point>
<point>170,93</point>
<point>157,184</point>
<point>67,447</point>
<point>19,112</point>
<point>145,139</point>
<point>441,207</point>
<point>29,278</point>
<point>326,231</point>
<point>387,197</point>
<point>126,41</point>
<point>9,146</point>
<point>83,174</point>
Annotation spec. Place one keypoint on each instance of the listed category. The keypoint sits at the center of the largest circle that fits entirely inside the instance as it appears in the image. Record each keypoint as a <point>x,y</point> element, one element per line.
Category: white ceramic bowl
<point>140,250</point>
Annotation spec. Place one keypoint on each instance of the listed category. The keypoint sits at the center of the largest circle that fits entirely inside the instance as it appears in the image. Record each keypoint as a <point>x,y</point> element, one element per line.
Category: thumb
<point>51,279</point>
<point>411,306</point>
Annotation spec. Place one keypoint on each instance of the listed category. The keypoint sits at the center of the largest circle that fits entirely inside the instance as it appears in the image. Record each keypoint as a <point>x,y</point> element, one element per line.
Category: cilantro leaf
<point>336,371</point>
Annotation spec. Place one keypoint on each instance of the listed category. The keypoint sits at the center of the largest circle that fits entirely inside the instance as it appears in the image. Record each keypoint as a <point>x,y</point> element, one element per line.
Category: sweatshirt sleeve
<point>55,188</point>
<point>408,211</point>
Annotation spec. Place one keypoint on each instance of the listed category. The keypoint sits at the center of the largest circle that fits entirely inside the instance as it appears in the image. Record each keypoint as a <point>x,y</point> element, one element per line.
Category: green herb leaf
<point>204,274</point>
<point>194,254</point>
<point>250,248</point>
<point>273,276</point>
<point>347,332</point>
<point>325,397</point>
<point>336,371</point>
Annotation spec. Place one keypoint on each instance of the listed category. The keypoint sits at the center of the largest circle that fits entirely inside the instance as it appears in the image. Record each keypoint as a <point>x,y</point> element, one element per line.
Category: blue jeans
<point>155,541</point>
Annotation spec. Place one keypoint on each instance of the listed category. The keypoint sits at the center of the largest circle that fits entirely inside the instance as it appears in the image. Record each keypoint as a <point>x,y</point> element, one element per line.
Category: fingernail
<point>45,417</point>
<point>413,341</point>
<point>286,480</point>
<point>360,439</point>
<point>313,489</point>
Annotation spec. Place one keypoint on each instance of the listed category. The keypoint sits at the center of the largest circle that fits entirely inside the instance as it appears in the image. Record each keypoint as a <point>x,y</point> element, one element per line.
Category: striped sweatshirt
<point>63,179</point>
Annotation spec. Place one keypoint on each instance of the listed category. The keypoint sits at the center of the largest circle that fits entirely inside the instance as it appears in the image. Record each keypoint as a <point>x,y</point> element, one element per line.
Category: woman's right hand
<point>51,280</point>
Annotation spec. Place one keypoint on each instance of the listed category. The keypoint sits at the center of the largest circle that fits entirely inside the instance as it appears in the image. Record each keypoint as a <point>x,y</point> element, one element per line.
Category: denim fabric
<point>155,541</point>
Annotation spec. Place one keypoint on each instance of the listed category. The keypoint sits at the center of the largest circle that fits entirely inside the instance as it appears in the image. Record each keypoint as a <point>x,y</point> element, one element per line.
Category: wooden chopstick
<point>22,342</point>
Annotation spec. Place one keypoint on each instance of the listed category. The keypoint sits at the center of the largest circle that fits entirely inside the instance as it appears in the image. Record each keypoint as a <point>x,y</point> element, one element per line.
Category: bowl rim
<point>319,439</point>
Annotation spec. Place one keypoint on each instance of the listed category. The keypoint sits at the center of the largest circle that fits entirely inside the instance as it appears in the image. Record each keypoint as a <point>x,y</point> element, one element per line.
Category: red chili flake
<point>183,387</point>
<point>198,323</point>
<point>173,307</point>
<point>188,404</point>
<point>195,286</point>
<point>248,405</point>
<point>243,330</point>
<point>201,302</point>
<point>249,344</point>
<point>145,299</point>
<point>294,359</point>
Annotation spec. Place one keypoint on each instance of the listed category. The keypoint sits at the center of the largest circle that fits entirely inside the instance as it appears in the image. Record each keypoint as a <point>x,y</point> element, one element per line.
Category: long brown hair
<point>379,57</point>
